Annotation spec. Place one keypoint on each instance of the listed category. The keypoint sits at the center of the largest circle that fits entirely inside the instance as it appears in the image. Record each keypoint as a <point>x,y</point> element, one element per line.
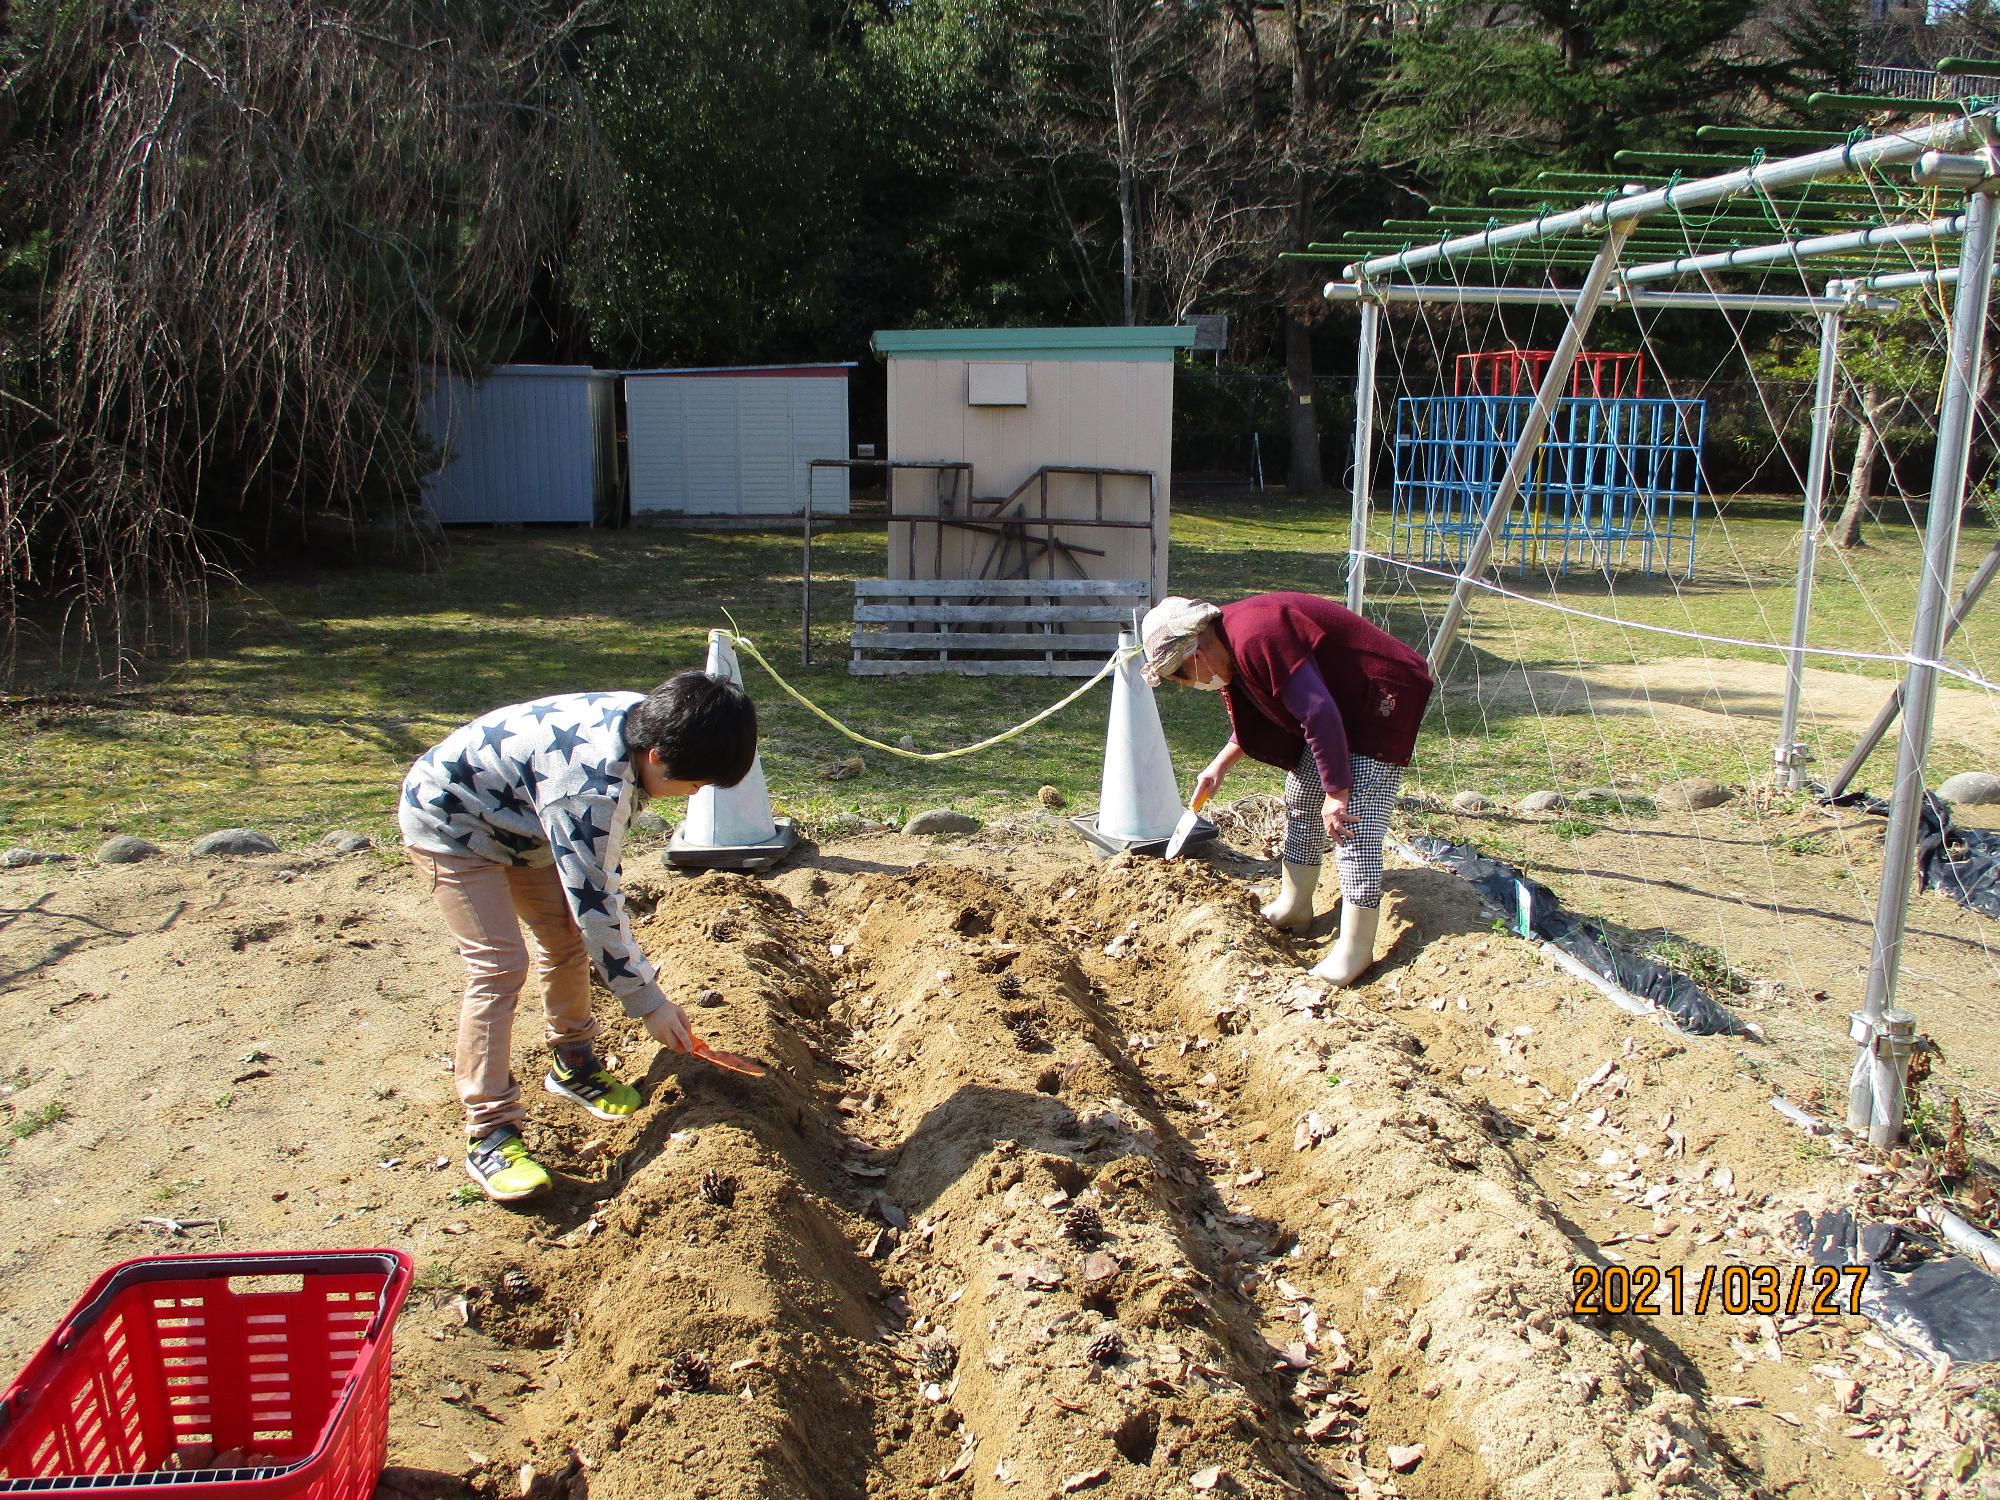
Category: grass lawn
<point>316,689</point>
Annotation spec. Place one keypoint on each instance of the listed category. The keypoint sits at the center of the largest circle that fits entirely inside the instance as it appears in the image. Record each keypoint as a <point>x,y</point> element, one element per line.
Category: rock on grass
<point>1693,792</point>
<point>1542,802</point>
<point>346,841</point>
<point>1469,802</point>
<point>126,850</point>
<point>1971,789</point>
<point>942,820</point>
<point>16,859</point>
<point>232,841</point>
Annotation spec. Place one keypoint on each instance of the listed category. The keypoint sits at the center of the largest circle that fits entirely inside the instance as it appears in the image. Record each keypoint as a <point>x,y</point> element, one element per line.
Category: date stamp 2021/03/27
<point>1736,1290</point>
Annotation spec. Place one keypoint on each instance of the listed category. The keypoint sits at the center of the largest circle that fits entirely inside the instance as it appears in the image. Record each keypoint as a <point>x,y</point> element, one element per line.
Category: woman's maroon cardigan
<point>1378,686</point>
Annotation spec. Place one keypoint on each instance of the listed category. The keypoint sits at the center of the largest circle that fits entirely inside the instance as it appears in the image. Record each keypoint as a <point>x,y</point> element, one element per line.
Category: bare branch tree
<point>266,224</point>
<point>1103,87</point>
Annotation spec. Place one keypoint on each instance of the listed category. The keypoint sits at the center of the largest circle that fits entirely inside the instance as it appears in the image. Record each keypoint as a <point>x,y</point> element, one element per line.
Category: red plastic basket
<point>173,1361</point>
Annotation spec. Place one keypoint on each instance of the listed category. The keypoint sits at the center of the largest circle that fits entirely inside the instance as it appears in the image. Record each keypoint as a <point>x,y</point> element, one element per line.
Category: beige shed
<point>1074,425</point>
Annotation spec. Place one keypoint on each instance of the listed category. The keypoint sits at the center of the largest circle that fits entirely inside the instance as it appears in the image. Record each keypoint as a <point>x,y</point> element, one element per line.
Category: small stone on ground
<point>1971,789</point>
<point>942,820</point>
<point>652,825</point>
<point>1694,792</point>
<point>233,841</point>
<point>346,841</point>
<point>1541,802</point>
<point>1051,797</point>
<point>1469,802</point>
<point>15,859</point>
<point>125,850</point>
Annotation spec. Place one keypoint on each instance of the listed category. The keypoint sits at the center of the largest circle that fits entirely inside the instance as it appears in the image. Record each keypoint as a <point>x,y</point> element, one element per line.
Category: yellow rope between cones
<point>749,648</point>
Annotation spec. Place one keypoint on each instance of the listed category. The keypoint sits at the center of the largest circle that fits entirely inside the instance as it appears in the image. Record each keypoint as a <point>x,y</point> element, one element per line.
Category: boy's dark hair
<point>704,728</point>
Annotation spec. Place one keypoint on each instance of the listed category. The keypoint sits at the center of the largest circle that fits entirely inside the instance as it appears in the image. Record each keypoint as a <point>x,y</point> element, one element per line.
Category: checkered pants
<point>1359,860</point>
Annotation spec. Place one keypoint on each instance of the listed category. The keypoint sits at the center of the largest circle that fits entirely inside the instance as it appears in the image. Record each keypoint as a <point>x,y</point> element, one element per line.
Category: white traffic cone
<point>731,828</point>
<point>1138,802</point>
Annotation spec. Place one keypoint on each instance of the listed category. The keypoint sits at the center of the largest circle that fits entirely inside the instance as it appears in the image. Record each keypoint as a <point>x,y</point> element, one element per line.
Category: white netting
<point>1581,669</point>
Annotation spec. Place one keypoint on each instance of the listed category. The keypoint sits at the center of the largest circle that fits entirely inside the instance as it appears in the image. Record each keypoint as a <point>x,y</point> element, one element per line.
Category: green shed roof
<point>1132,345</point>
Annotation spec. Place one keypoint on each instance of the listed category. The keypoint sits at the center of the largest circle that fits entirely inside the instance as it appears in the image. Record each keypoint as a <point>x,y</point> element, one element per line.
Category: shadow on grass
<point>343,674</point>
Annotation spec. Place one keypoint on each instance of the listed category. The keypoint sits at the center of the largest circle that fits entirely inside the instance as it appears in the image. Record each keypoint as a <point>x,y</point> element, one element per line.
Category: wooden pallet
<point>990,627</point>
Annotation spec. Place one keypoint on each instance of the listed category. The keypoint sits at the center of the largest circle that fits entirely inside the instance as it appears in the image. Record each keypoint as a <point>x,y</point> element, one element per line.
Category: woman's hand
<point>1339,825</point>
<point>1209,782</point>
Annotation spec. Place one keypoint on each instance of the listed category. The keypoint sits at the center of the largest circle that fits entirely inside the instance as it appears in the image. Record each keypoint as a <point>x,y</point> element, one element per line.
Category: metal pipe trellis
<point>1852,159</point>
<point>1364,454</point>
<point>1893,705</point>
<point>1883,1035</point>
<point>1533,425</point>
<point>1790,756</point>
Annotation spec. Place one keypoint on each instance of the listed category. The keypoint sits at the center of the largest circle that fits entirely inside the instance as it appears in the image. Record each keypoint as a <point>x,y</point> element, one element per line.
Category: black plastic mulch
<point>1535,911</point>
<point>1962,863</point>
<point>1934,1302</point>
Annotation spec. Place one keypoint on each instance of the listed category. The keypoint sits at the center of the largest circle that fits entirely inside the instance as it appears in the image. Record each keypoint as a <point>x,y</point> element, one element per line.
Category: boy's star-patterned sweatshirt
<point>538,783</point>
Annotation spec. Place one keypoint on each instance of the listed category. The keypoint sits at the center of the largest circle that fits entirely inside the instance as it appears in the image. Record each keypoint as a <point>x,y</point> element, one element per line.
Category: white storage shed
<point>736,441</point>
<point>1093,406</point>
<point>525,443</point>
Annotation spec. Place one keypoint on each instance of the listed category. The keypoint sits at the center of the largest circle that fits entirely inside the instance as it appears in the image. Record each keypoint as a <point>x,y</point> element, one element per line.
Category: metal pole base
<point>1876,1097</point>
<point>1788,765</point>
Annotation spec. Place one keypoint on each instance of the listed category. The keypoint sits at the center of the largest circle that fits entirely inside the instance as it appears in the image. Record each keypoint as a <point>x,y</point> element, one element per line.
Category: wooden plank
<point>869,667</point>
<point>967,640</point>
<point>965,588</point>
<point>991,614</point>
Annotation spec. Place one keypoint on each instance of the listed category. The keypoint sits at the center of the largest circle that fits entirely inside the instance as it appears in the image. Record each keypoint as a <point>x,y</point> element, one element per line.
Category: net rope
<point>1544,683</point>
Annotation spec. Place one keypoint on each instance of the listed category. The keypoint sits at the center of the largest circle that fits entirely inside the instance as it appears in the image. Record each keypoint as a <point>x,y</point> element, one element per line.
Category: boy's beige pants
<point>480,901</point>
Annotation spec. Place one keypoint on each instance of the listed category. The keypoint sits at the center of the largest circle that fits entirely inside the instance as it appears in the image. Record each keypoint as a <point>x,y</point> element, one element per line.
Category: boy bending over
<point>522,814</point>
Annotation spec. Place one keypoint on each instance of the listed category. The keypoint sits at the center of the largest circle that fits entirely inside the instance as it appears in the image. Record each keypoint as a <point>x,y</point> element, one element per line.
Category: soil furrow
<point>1059,1275</point>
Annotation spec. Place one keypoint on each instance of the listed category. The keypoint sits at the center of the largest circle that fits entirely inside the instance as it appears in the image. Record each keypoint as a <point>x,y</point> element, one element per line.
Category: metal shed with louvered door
<point>525,443</point>
<point>736,442</point>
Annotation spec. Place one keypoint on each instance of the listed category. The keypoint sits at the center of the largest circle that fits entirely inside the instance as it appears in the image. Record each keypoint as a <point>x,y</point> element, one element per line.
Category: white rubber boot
<point>1293,910</point>
<point>1354,950</point>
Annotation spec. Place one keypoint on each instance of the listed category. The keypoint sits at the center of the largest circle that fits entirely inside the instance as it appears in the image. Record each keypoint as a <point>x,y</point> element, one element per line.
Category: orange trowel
<point>1190,821</point>
<point>748,1067</point>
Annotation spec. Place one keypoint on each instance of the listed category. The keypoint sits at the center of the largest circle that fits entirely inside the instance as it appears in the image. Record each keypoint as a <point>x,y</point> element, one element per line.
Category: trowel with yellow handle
<point>1190,821</point>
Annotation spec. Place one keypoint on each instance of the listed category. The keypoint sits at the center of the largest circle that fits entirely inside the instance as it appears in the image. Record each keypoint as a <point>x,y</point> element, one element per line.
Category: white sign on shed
<point>736,442</point>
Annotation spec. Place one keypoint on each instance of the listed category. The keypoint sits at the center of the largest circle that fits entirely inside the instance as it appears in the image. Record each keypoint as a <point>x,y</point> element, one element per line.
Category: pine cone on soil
<point>1026,1037</point>
<point>1107,1347</point>
<point>1009,986</point>
<point>686,1372</point>
<point>939,1359</point>
<point>1082,1226</point>
<point>718,1189</point>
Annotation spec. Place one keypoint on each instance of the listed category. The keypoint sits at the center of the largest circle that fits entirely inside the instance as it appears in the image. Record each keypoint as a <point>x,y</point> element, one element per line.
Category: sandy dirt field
<point>1066,1179</point>
<point>1742,700</point>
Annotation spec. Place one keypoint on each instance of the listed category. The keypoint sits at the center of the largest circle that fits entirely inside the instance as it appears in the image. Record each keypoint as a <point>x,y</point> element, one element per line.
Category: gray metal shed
<point>525,443</point>
<point>736,441</point>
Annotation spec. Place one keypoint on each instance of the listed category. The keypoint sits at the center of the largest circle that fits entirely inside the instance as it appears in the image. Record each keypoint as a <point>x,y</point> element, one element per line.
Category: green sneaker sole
<point>556,1086</point>
<point>502,1195</point>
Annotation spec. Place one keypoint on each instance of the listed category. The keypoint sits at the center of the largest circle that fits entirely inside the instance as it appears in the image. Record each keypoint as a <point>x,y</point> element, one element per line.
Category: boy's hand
<point>669,1027</point>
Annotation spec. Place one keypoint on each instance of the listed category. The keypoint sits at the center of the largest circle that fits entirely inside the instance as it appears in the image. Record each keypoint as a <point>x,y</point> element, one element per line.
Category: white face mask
<point>1207,683</point>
